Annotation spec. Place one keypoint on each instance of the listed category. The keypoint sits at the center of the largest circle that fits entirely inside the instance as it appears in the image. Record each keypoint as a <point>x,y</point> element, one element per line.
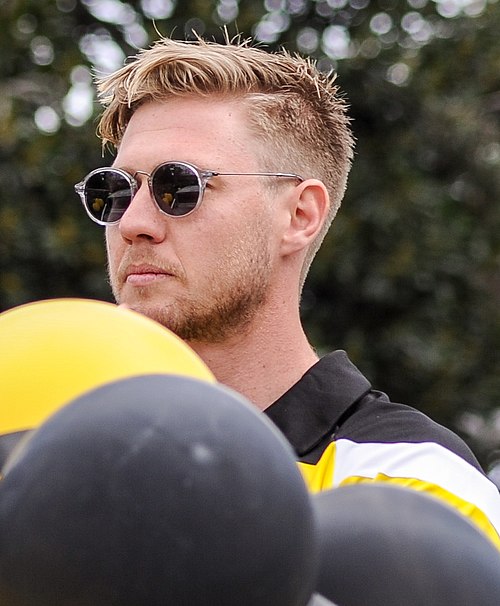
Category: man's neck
<point>260,364</point>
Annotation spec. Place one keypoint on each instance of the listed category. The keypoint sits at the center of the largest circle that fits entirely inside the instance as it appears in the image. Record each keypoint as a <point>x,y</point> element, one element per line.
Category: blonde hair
<point>294,108</point>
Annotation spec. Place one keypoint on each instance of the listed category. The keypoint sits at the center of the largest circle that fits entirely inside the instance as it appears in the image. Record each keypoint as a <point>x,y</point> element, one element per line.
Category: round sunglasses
<point>176,187</point>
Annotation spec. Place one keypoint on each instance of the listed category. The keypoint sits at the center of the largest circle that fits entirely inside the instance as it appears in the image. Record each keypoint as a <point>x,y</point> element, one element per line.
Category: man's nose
<point>143,219</point>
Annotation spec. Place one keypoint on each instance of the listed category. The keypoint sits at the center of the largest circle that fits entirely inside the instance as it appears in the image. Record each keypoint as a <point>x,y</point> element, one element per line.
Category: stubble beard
<point>234,294</point>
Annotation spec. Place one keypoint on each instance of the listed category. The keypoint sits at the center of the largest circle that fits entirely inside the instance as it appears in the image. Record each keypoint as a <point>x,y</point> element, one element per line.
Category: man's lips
<point>145,274</point>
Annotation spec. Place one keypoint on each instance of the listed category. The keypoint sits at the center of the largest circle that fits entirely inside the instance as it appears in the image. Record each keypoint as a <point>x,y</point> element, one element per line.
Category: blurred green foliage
<point>408,280</point>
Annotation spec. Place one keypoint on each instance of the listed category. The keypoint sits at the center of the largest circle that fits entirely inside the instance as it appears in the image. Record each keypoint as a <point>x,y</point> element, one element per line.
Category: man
<point>231,164</point>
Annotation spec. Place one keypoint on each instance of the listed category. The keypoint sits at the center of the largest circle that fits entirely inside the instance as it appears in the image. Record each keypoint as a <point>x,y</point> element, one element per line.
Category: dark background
<point>408,281</point>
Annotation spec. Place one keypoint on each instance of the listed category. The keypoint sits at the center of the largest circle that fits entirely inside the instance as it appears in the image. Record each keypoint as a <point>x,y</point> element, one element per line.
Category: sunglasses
<point>176,187</point>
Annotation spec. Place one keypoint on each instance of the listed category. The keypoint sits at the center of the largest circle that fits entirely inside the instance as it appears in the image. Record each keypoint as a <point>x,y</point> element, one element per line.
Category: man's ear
<point>308,209</point>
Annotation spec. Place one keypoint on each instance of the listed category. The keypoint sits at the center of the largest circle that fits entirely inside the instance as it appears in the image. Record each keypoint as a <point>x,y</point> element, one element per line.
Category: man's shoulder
<point>346,432</point>
<point>335,401</point>
<point>377,419</point>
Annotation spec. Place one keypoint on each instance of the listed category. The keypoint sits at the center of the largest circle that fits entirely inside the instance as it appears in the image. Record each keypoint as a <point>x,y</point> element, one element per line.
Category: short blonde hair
<point>293,107</point>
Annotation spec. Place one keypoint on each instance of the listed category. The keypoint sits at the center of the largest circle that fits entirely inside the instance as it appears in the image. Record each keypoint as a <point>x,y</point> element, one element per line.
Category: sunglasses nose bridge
<point>143,172</point>
<point>148,179</point>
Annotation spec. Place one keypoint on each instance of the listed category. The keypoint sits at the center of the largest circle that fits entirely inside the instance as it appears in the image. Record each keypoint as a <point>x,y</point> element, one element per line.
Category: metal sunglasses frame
<point>202,177</point>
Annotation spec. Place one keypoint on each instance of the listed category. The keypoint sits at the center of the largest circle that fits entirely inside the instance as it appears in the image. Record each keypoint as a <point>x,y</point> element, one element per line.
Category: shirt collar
<point>312,407</point>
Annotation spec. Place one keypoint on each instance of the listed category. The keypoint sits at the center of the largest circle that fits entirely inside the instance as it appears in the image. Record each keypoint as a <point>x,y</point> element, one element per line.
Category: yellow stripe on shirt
<point>320,477</point>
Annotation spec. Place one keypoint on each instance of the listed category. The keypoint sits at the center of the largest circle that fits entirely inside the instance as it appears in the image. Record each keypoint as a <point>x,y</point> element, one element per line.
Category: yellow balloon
<point>54,350</point>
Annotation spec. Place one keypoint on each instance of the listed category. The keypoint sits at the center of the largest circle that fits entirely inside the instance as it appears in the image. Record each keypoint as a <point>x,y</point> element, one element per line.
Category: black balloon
<point>383,545</point>
<point>155,490</point>
<point>320,600</point>
<point>8,441</point>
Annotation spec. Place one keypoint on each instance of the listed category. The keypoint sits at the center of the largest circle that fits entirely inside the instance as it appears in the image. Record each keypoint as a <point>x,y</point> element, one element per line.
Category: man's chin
<point>150,310</point>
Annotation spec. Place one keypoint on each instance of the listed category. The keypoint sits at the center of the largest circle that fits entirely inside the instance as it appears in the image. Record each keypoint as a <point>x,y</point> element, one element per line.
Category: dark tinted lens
<point>176,189</point>
<point>107,195</point>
